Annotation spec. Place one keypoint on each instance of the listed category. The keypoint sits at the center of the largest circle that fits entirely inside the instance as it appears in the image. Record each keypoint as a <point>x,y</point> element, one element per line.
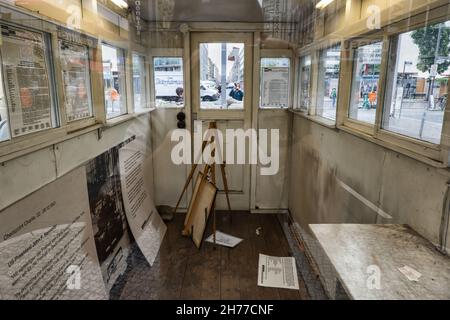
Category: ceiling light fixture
<point>120,3</point>
<point>323,3</point>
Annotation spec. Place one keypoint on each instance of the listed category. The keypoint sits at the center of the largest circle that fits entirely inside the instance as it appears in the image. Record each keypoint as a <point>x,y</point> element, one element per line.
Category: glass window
<point>169,83</point>
<point>366,75</point>
<point>76,80</point>
<point>222,76</point>
<point>27,104</point>
<point>114,81</point>
<point>4,123</point>
<point>304,83</point>
<point>275,79</point>
<point>139,83</point>
<point>417,83</point>
<point>328,82</point>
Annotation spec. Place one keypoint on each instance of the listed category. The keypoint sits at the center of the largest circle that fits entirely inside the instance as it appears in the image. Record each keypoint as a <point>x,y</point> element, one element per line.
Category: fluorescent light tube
<point>120,3</point>
<point>323,3</point>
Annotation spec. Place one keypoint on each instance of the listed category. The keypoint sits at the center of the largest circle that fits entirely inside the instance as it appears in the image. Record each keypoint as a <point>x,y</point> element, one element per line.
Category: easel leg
<point>191,174</point>
<point>225,184</point>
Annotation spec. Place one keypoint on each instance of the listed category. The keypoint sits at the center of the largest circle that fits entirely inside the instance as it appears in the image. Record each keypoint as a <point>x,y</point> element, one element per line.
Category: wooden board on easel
<point>200,207</point>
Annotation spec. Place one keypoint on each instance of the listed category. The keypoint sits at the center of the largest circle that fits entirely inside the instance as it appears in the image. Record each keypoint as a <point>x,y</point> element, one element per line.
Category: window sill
<point>126,117</point>
<point>273,108</point>
<point>396,148</point>
<point>32,143</point>
<point>331,124</point>
<point>11,149</point>
<point>169,107</point>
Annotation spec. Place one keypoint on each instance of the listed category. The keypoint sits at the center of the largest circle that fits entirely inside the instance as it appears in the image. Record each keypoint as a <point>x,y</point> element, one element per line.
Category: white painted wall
<point>272,191</point>
<point>169,178</point>
<point>21,176</point>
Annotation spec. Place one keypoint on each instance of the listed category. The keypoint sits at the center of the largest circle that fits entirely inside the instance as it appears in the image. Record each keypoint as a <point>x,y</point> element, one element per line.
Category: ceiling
<point>218,10</point>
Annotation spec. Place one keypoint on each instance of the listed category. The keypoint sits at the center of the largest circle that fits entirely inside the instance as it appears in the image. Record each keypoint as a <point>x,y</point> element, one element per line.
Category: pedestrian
<point>373,99</point>
<point>179,91</point>
<point>237,93</point>
<point>333,96</point>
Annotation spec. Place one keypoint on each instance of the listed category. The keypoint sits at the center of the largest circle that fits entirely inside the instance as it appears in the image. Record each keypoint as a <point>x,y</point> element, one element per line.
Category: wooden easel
<point>209,170</point>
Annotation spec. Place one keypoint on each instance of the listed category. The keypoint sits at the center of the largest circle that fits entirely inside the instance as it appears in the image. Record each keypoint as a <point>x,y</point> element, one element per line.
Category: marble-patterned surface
<point>367,259</point>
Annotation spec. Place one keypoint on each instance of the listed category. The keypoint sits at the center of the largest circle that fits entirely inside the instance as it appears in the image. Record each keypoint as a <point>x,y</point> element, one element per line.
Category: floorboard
<point>181,271</point>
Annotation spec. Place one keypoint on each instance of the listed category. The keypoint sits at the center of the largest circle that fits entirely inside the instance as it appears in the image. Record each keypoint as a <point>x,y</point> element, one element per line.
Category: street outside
<point>407,123</point>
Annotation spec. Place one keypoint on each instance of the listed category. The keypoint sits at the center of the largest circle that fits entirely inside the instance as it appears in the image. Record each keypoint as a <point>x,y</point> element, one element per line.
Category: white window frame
<point>18,146</point>
<point>297,81</point>
<point>278,53</point>
<point>146,84</point>
<point>127,70</point>
<point>317,78</point>
<point>92,47</point>
<point>346,81</point>
<point>436,155</point>
<point>217,37</point>
<point>22,145</point>
<point>314,52</point>
<point>169,53</point>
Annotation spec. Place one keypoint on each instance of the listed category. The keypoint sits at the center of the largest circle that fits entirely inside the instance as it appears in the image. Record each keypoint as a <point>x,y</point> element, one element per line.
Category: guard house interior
<point>348,99</point>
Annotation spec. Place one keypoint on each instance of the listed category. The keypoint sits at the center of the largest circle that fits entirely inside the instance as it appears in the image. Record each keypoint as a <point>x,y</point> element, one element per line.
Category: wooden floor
<point>183,272</point>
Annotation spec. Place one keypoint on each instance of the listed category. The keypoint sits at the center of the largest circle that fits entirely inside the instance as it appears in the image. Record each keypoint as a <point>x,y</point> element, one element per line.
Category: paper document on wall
<point>74,60</point>
<point>277,272</point>
<point>26,80</point>
<point>145,223</point>
<point>224,239</point>
<point>275,87</point>
<point>47,248</point>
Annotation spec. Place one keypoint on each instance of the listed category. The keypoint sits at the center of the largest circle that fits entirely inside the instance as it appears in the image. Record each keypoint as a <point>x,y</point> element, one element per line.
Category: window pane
<point>275,73</point>
<point>114,81</point>
<point>366,74</point>
<point>4,125</point>
<point>76,81</point>
<point>27,85</point>
<point>304,83</point>
<point>416,91</point>
<point>222,76</point>
<point>328,85</point>
<point>169,84</point>
<point>139,83</point>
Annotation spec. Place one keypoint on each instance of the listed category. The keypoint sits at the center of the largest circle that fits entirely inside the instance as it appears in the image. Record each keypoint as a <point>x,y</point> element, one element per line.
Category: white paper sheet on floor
<point>277,272</point>
<point>224,239</point>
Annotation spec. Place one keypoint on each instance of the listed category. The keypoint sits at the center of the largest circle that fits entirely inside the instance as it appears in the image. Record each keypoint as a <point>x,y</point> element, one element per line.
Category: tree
<point>426,39</point>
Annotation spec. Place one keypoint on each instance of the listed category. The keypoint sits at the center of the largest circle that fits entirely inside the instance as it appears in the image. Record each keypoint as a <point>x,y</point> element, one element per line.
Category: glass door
<point>221,74</point>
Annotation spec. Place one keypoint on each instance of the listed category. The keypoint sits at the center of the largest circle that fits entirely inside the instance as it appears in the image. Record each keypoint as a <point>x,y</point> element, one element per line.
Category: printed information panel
<point>26,80</point>
<point>47,248</point>
<point>145,223</point>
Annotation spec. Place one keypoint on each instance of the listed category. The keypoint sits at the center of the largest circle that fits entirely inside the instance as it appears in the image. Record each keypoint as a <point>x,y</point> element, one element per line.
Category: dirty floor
<point>181,271</point>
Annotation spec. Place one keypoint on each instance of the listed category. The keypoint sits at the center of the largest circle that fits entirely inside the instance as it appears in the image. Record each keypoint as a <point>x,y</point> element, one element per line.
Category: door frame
<point>260,53</point>
<point>218,37</point>
<point>242,200</point>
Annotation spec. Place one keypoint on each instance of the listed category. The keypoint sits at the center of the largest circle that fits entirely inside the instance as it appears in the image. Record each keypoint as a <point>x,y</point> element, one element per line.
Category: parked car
<point>208,93</point>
